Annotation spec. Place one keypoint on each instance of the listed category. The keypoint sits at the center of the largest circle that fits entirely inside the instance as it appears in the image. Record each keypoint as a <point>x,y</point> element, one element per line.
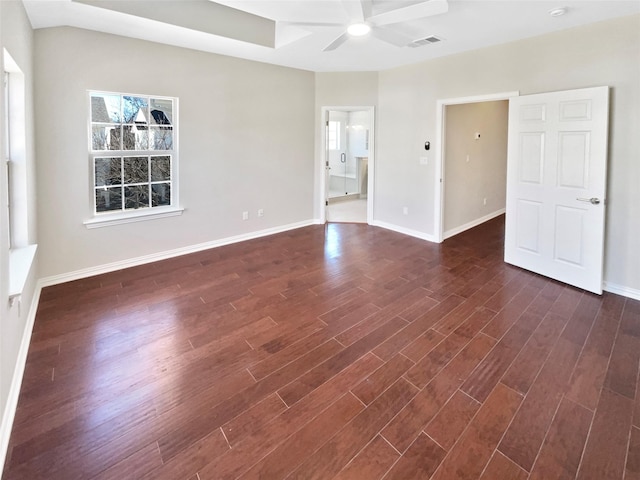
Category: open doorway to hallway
<point>471,189</point>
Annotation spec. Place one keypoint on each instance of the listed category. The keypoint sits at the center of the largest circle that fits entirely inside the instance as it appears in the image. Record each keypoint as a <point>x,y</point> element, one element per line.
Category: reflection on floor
<point>347,211</point>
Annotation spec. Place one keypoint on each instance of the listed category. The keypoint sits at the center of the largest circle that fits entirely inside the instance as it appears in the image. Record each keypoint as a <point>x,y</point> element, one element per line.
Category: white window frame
<point>21,251</point>
<point>124,215</point>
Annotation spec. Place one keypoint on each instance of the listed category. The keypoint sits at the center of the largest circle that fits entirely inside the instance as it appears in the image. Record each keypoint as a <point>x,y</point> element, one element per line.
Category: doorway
<point>556,182</point>
<point>440,153</point>
<point>475,164</point>
<point>347,170</point>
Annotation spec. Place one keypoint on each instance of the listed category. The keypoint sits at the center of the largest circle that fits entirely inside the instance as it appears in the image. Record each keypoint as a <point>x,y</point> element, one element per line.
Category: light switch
<point>424,160</point>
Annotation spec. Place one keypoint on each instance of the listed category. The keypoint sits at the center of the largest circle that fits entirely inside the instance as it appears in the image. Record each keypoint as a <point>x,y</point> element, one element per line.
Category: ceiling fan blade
<point>311,24</point>
<point>412,12</point>
<point>336,43</point>
<point>390,36</point>
<point>367,8</point>
<point>355,10</point>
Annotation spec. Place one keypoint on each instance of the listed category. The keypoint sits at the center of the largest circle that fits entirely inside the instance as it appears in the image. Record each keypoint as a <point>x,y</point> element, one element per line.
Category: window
<point>133,153</point>
<point>21,250</point>
<point>334,135</point>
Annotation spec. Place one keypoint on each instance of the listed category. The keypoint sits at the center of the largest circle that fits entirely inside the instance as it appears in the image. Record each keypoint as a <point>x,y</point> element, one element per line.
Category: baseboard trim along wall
<point>406,231</point>
<point>622,290</point>
<point>473,223</point>
<point>134,262</point>
<point>16,381</point>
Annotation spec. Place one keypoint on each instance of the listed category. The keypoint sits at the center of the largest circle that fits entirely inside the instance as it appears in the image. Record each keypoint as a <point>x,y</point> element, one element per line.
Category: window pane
<point>108,171</point>
<point>160,194</point>
<point>136,196</point>
<point>105,108</point>
<point>334,135</point>
<point>136,170</point>
<point>161,138</point>
<point>161,111</point>
<point>105,137</point>
<point>134,110</point>
<point>135,137</point>
<point>108,199</point>
<point>99,137</point>
<point>160,168</point>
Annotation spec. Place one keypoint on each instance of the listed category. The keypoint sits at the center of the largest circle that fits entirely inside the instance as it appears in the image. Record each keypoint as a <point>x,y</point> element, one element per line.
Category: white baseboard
<point>622,290</point>
<point>134,262</point>
<point>16,381</point>
<point>474,223</point>
<point>406,231</point>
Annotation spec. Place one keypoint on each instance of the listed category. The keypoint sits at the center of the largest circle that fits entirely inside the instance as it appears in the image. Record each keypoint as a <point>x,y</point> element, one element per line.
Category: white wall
<point>246,142</point>
<point>475,170</point>
<point>16,37</point>
<point>605,53</point>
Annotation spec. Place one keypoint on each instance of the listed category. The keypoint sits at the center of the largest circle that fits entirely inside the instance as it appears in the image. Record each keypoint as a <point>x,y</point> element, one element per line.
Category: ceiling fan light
<point>358,29</point>
<point>558,12</point>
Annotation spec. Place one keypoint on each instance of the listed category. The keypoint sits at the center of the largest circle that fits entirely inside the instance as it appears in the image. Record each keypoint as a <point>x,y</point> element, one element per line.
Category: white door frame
<point>323,155</point>
<point>438,214</point>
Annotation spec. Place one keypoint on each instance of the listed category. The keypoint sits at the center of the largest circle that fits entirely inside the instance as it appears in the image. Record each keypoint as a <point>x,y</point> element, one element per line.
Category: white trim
<point>140,216</point>
<point>405,231</point>
<point>20,261</point>
<point>154,257</point>
<point>621,290</point>
<point>438,214</point>
<point>9,413</point>
<point>473,223</point>
<point>323,156</point>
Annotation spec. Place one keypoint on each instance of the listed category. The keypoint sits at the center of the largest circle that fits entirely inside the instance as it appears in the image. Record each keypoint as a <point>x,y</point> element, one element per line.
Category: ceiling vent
<point>425,41</point>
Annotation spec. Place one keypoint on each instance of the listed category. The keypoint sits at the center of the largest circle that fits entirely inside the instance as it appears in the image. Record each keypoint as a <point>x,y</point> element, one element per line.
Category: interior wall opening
<point>475,164</point>
<point>348,163</point>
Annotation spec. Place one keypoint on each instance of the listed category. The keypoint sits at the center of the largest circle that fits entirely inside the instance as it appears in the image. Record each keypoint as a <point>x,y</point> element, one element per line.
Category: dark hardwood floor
<point>344,351</point>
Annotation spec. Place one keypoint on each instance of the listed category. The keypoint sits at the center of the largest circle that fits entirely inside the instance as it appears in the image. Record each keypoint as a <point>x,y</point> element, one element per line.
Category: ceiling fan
<point>362,21</point>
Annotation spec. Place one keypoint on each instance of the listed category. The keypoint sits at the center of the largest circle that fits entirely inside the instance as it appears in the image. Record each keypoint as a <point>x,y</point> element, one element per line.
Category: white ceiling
<point>468,25</point>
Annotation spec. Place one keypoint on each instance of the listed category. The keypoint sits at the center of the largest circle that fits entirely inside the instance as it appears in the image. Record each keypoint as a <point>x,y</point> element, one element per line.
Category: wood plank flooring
<point>341,351</point>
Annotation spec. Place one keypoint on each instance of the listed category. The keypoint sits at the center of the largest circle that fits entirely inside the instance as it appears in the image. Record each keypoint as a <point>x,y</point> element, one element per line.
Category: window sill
<point>118,219</point>
<point>20,262</point>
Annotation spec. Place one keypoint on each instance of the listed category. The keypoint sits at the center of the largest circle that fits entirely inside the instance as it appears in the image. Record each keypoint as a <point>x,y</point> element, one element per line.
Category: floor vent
<point>425,41</point>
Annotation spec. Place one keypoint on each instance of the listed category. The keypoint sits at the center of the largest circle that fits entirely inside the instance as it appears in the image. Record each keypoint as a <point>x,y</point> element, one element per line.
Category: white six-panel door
<point>556,185</point>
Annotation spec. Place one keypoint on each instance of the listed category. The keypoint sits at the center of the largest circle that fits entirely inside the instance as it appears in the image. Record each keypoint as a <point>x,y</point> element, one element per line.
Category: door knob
<point>592,200</point>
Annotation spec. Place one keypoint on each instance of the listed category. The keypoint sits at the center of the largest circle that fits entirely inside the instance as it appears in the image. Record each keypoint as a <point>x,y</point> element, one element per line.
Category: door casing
<point>439,153</point>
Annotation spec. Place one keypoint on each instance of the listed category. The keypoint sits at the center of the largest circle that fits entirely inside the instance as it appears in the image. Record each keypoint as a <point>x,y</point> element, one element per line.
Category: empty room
<point>320,239</point>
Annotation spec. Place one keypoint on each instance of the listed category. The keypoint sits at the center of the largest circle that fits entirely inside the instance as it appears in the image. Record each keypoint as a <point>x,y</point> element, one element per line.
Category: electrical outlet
<point>260,212</point>
<point>424,160</point>
<point>405,210</point>
<point>245,215</point>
